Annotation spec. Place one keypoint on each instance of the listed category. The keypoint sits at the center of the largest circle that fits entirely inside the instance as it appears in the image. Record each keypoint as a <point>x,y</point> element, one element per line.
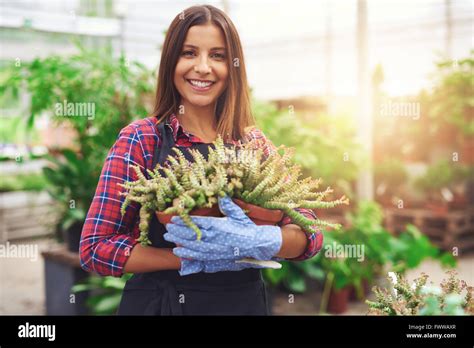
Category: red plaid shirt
<point>107,236</point>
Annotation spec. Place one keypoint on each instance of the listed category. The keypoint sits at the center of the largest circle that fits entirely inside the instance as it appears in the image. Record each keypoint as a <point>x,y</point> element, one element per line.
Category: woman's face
<point>201,72</point>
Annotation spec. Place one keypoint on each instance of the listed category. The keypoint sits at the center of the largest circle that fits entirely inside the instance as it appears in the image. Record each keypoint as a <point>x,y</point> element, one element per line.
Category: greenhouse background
<point>376,97</point>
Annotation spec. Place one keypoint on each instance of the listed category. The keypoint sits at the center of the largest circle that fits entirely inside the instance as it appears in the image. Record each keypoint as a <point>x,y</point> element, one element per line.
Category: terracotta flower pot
<point>259,215</point>
<point>338,299</point>
<point>213,211</point>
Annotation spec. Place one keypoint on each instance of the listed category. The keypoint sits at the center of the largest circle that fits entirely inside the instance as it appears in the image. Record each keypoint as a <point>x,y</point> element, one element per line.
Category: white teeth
<point>200,84</point>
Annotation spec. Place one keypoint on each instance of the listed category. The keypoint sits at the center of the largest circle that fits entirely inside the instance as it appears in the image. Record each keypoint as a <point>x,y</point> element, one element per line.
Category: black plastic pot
<point>62,271</point>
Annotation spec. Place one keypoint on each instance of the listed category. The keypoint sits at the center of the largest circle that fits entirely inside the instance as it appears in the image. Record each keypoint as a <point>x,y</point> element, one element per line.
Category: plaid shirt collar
<point>180,136</point>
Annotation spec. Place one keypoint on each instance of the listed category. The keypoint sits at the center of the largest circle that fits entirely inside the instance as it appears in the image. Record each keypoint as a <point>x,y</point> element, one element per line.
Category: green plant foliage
<point>13,131</point>
<point>442,174</point>
<point>294,275</point>
<point>325,146</point>
<point>382,251</point>
<point>106,293</point>
<point>451,101</point>
<point>22,182</point>
<point>392,174</point>
<point>116,87</point>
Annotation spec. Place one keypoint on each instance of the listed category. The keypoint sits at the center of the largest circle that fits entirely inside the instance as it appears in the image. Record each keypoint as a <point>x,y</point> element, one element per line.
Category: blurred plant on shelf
<point>451,101</point>
<point>13,131</point>
<point>325,146</point>
<point>437,120</point>
<point>391,178</point>
<point>95,95</point>
<point>444,182</point>
<point>22,182</point>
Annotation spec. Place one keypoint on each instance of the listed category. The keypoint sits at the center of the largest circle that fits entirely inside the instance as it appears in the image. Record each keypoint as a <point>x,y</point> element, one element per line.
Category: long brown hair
<point>233,111</point>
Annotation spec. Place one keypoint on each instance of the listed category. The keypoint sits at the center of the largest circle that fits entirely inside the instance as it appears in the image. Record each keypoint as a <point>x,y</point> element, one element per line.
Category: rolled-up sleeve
<point>314,240</point>
<point>108,237</point>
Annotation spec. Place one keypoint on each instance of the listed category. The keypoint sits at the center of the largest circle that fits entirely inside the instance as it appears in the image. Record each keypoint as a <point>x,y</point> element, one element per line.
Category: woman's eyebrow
<point>212,49</point>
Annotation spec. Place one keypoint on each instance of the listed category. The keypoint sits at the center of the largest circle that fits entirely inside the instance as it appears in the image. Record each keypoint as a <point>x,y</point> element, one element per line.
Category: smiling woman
<point>205,80</point>
<point>201,77</point>
<point>202,93</point>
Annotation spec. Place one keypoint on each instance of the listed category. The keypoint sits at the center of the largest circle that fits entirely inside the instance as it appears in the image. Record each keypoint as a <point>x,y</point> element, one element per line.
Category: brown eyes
<point>213,55</point>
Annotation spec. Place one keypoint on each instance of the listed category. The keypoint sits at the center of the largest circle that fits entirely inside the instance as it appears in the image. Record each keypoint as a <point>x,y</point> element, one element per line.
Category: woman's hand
<point>229,238</point>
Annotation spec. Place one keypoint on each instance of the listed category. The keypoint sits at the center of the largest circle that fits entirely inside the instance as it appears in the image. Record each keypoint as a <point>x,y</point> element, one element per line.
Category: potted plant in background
<point>110,98</point>
<point>337,285</point>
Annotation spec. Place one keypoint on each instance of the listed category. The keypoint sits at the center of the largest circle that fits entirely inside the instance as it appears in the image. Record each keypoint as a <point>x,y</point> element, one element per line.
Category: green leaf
<point>448,260</point>
<point>115,283</point>
<point>312,270</point>
<point>296,282</point>
<point>82,287</point>
<point>108,304</point>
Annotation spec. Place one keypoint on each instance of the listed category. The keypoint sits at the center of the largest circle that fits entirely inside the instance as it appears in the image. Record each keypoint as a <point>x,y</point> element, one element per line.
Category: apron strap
<point>167,141</point>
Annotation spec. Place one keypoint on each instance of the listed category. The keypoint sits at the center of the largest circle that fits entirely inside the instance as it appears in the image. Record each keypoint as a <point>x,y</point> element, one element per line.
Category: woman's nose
<point>203,66</point>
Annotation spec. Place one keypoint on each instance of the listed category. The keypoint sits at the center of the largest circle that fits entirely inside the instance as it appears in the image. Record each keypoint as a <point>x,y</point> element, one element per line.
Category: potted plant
<point>266,188</point>
<point>336,291</point>
<point>451,297</point>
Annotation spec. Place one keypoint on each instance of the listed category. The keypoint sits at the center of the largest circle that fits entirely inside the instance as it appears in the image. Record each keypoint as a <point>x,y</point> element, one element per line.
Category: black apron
<point>168,293</point>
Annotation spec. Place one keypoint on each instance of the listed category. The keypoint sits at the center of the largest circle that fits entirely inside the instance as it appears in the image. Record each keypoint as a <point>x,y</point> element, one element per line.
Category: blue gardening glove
<point>196,266</point>
<point>228,238</point>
